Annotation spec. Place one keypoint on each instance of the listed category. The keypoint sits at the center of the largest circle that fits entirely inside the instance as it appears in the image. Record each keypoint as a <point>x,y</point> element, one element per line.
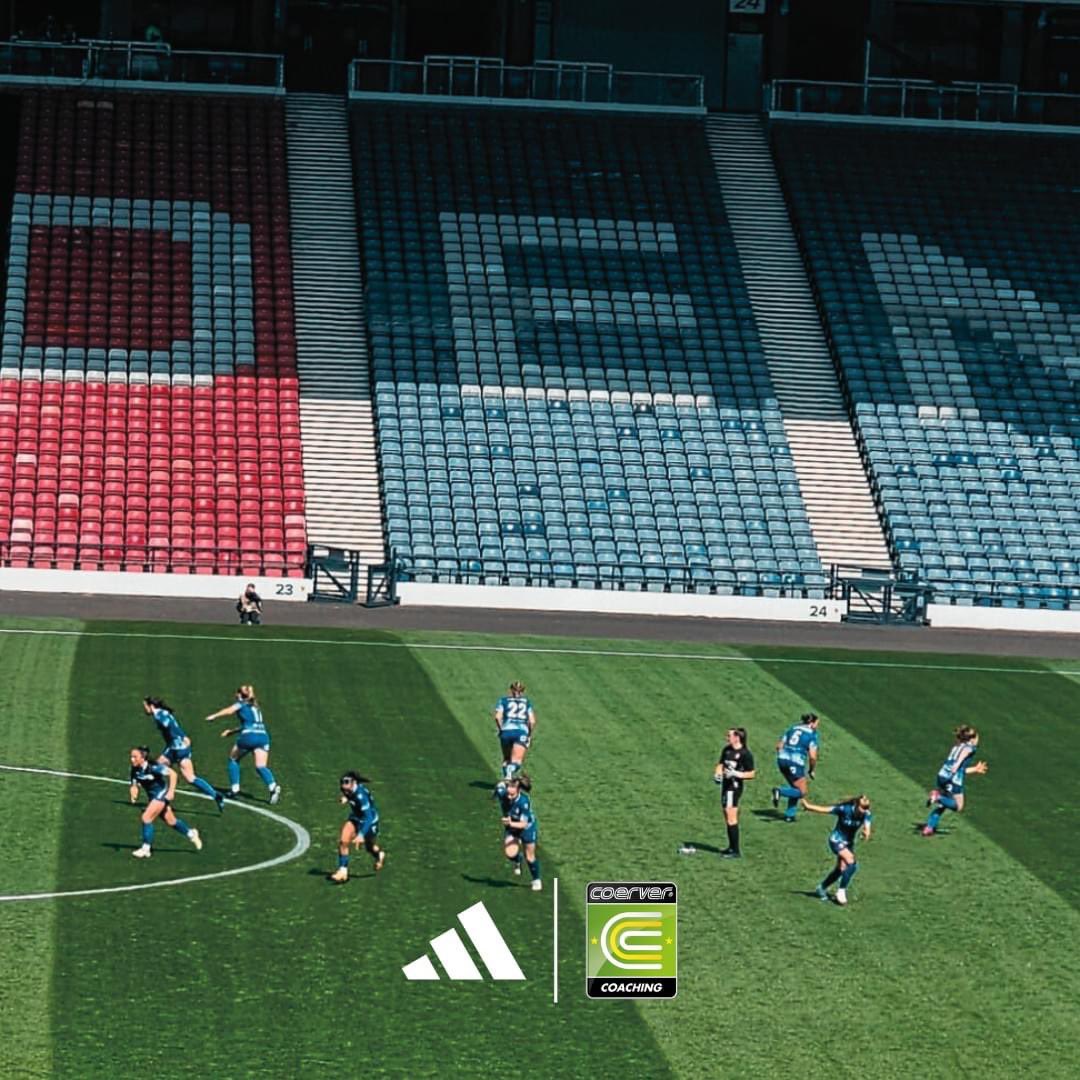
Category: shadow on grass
<point>131,846</point>
<point>769,815</point>
<point>697,845</point>
<point>493,883</point>
<point>483,785</point>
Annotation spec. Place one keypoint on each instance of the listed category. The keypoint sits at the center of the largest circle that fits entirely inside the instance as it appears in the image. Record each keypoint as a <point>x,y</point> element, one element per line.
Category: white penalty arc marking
<point>630,654</point>
<point>300,834</point>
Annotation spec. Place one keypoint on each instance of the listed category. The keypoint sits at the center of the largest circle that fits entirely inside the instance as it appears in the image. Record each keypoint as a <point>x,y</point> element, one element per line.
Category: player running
<point>796,758</point>
<point>520,824</point>
<point>852,816</point>
<point>360,828</point>
<point>251,738</point>
<point>515,720</point>
<point>178,748</point>
<point>159,783</point>
<point>735,767</point>
<point>949,793</point>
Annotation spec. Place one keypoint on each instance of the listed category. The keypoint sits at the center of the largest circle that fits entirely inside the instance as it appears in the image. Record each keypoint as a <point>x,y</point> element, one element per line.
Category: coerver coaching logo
<point>481,930</point>
<point>632,943</point>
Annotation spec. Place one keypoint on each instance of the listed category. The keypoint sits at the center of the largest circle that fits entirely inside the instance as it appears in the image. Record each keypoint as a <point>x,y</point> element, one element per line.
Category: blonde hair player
<point>251,738</point>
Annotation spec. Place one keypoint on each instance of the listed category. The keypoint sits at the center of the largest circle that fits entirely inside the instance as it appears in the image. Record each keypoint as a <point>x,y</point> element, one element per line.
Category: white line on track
<point>631,654</point>
<point>301,835</point>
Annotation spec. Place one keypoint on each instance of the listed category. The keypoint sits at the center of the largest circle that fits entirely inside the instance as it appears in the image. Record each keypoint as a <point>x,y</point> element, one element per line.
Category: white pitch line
<point>632,654</point>
<point>303,842</point>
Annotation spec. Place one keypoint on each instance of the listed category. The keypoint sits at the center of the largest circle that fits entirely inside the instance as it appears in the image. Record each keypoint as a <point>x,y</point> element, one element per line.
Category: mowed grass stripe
<point>1028,728</point>
<point>282,974</point>
<point>622,765</point>
<point>34,678</point>
<point>458,642</point>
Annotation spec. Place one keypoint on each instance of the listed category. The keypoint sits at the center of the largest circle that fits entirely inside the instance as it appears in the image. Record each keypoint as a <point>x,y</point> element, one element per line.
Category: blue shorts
<point>510,739</point>
<point>523,836</point>
<point>365,827</point>
<point>951,785</point>
<point>251,741</point>
<point>790,771</point>
<point>158,796</point>
<point>176,756</point>
<point>838,844</point>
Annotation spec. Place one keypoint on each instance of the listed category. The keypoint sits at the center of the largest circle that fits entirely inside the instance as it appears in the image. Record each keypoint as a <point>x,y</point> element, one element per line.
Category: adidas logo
<point>454,957</point>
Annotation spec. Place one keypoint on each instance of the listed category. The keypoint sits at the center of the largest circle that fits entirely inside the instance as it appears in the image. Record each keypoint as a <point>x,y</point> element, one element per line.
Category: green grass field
<point>956,956</point>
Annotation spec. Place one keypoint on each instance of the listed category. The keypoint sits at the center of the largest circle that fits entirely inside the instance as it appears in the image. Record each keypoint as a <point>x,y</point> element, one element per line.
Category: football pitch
<point>956,956</point>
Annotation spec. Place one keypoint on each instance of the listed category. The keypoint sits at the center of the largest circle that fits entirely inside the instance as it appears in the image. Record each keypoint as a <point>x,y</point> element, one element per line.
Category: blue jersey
<point>362,805</point>
<point>520,809</point>
<point>152,778</point>
<point>849,820</point>
<point>171,731</point>
<point>251,719</point>
<point>955,766</point>
<point>796,744</point>
<point>515,714</point>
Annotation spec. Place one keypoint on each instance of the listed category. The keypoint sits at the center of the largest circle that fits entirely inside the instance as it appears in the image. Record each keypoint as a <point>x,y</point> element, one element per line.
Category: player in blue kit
<point>251,738</point>
<point>515,720</point>
<point>949,792</point>
<point>852,817</point>
<point>159,783</point>
<point>361,827</point>
<point>796,758</point>
<point>178,748</point>
<point>520,825</point>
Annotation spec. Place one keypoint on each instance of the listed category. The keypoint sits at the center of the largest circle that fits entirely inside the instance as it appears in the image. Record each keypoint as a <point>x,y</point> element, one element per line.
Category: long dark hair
<point>352,774</point>
<point>144,750</point>
<point>157,703</point>
<point>741,732</point>
<point>523,780</point>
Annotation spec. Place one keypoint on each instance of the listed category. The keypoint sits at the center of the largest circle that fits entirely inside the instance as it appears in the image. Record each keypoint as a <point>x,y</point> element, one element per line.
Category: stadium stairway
<point>834,484</point>
<point>340,466</point>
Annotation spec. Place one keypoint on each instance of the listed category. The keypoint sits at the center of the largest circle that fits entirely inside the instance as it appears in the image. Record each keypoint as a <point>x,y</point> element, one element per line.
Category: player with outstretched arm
<point>852,817</point>
<point>251,738</point>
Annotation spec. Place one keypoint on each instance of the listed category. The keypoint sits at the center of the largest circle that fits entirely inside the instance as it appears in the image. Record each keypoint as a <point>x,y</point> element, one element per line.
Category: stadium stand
<point>945,265</point>
<point>570,389</point>
<point>148,392</point>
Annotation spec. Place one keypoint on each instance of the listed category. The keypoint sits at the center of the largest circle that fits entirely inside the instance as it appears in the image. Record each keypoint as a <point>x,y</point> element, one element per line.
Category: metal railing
<point>153,557</point>
<point>919,99</point>
<point>139,61</point>
<point>555,83</point>
<point>624,576</point>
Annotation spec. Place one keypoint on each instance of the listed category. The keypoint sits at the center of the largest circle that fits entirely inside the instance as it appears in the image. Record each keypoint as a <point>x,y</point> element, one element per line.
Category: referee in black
<point>735,767</point>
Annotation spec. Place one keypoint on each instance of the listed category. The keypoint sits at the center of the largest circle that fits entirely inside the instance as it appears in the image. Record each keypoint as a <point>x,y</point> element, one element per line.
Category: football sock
<point>234,773</point>
<point>512,769</point>
<point>948,802</point>
<point>733,837</point>
<point>790,793</point>
<point>147,834</point>
<point>847,874</point>
<point>342,861</point>
<point>207,789</point>
<point>534,869</point>
<point>265,775</point>
<point>935,817</point>
<point>833,875</point>
<point>182,827</point>
<point>792,804</point>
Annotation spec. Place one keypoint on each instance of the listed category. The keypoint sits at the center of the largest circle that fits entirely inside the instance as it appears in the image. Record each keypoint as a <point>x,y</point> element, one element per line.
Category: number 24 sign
<point>747,7</point>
